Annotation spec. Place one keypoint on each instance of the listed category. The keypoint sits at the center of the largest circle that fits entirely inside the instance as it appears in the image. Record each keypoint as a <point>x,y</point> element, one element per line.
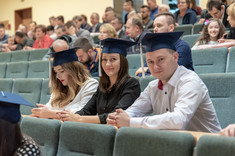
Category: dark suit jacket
<point>122,34</point>
<point>97,28</point>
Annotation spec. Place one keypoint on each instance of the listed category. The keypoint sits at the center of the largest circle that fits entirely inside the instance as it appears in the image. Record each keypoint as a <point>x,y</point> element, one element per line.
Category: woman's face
<point>61,75</point>
<point>231,21</point>
<point>39,34</point>
<point>111,64</point>
<point>103,34</point>
<point>213,29</point>
<point>182,5</point>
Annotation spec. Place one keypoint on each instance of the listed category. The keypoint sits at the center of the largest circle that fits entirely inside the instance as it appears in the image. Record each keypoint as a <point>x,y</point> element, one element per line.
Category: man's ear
<point>90,51</point>
<point>176,56</point>
<point>172,27</point>
<point>222,7</point>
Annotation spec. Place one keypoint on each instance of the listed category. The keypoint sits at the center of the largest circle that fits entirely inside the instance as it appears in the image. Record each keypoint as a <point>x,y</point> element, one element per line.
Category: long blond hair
<point>109,29</point>
<point>63,95</point>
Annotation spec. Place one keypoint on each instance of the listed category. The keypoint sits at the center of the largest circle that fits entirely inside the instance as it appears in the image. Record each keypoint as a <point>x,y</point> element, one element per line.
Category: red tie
<point>160,85</point>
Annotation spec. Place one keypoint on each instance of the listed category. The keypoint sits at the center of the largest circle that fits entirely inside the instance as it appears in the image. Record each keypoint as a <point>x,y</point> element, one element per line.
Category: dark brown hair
<point>10,137</point>
<point>123,74</point>
<point>42,27</point>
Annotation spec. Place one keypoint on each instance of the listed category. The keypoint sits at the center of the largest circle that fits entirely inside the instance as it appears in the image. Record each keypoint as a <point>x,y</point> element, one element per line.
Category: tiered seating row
<point>23,55</point>
<point>76,139</point>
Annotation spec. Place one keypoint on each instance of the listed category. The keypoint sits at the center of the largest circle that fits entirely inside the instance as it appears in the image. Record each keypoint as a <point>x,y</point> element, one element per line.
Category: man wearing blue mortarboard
<point>178,98</point>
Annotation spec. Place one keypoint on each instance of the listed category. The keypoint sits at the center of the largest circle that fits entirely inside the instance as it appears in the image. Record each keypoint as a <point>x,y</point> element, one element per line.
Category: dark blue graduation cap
<point>113,45</point>
<point>64,56</point>
<point>10,106</point>
<point>155,41</point>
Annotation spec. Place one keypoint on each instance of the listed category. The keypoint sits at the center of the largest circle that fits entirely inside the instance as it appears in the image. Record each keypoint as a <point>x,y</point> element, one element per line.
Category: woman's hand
<point>69,116</point>
<point>41,112</point>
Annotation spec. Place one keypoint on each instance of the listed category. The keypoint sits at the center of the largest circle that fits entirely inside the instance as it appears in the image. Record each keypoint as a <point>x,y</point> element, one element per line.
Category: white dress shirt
<point>81,99</point>
<point>183,104</point>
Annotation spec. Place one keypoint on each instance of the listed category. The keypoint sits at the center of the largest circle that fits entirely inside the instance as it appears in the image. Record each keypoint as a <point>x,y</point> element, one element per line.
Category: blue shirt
<point>153,13</point>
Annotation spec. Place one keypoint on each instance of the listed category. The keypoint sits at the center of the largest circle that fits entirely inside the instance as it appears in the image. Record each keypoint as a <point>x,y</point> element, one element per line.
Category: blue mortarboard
<point>65,56</point>
<point>155,41</point>
<point>10,106</point>
<point>112,45</point>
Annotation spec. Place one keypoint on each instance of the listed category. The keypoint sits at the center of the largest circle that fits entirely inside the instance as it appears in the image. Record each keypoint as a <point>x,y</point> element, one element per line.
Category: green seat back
<point>38,69</point>
<point>3,67</point>
<point>186,28</point>
<point>45,92</point>
<point>215,146</point>
<point>210,60</point>
<point>37,54</point>
<point>18,56</point>
<point>197,28</point>
<point>84,139</point>
<point>231,60</point>
<point>6,85</point>
<point>5,57</point>
<point>45,132</point>
<point>148,142</point>
<point>145,81</point>
<point>222,92</point>
<point>30,89</point>
<point>191,39</point>
<point>17,70</point>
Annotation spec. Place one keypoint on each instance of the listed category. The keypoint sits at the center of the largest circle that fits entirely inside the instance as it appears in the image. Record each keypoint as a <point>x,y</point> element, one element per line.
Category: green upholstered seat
<point>191,39</point>
<point>231,60</point>
<point>6,85</point>
<point>5,57</point>
<point>18,56</point>
<point>3,68</point>
<point>222,92</point>
<point>210,60</point>
<point>84,139</point>
<point>45,132</point>
<point>17,70</point>
<point>148,142</point>
<point>186,28</point>
<point>37,54</point>
<point>145,81</point>
<point>38,69</point>
<point>45,92</point>
<point>215,146</point>
<point>30,89</point>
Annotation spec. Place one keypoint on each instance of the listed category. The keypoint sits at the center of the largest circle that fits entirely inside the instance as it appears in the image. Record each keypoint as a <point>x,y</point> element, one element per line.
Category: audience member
<point>217,10</point>
<point>88,55</point>
<point>212,31</point>
<point>85,25</point>
<point>178,98</point>
<point>12,141</point>
<point>165,22</point>
<point>42,39</point>
<point>52,21</point>
<point>228,131</point>
<point>185,15</point>
<point>60,30</point>
<point>135,32</point>
<point>95,23</point>
<point>3,35</point>
<point>116,88</point>
<point>163,8</point>
<point>22,41</point>
<point>128,6</point>
<point>31,34</point>
<point>107,31</point>
<point>70,29</point>
<point>194,7</point>
<point>51,32</point>
<point>154,8</point>
<point>60,20</point>
<point>117,23</point>
<point>23,28</point>
<point>79,31</point>
<point>71,85</point>
<point>109,15</point>
<point>145,14</point>
<point>10,45</point>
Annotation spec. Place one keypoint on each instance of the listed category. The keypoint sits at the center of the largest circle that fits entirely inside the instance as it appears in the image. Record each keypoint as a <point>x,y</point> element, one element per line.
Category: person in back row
<point>88,55</point>
<point>178,98</point>
<point>116,88</point>
<point>165,22</point>
<point>71,86</point>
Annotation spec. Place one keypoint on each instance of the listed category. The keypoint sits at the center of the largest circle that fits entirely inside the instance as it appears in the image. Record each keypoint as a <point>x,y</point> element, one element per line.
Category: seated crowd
<point>177,99</point>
